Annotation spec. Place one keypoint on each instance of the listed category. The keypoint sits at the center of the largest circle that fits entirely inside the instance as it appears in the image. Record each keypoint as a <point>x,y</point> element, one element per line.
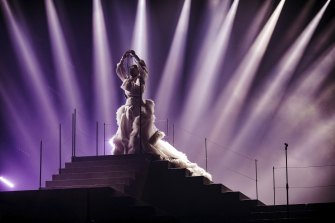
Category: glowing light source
<point>6,182</point>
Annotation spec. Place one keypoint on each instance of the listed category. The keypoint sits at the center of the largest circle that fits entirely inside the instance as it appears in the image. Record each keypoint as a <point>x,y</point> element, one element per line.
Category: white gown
<point>126,140</point>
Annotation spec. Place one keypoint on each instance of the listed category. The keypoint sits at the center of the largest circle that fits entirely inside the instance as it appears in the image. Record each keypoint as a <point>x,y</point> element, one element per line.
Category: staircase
<point>142,188</point>
<point>194,198</point>
<point>122,173</point>
<point>158,183</point>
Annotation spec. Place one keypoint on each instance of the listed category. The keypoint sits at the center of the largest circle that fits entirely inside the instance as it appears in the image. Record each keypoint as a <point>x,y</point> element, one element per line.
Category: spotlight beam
<point>232,97</point>
<point>217,14</point>
<point>140,37</point>
<point>102,67</point>
<point>196,102</point>
<point>15,116</point>
<point>62,60</point>
<point>173,66</point>
<point>30,65</point>
<point>274,88</point>
<point>299,109</point>
<point>253,30</point>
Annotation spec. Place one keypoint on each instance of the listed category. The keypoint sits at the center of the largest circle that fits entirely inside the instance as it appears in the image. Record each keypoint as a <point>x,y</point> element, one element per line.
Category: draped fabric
<point>127,138</point>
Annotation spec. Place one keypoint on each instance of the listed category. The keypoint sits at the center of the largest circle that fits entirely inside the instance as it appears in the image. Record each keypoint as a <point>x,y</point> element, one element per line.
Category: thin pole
<point>72,137</point>
<point>40,184</point>
<point>60,147</point>
<point>104,139</point>
<point>206,152</point>
<point>287,203</point>
<point>173,134</point>
<point>274,186</point>
<point>140,125</point>
<point>167,126</point>
<point>256,179</point>
<point>75,131</point>
<point>97,141</point>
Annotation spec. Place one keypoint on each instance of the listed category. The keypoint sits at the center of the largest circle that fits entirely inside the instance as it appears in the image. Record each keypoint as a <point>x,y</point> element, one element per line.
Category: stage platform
<point>142,188</point>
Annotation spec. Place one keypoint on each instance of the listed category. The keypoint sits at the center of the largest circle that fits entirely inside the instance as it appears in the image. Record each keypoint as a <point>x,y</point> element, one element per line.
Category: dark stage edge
<point>141,188</point>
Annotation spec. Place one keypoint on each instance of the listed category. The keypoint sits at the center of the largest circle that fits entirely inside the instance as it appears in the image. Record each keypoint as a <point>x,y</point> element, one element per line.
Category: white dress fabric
<point>127,138</point>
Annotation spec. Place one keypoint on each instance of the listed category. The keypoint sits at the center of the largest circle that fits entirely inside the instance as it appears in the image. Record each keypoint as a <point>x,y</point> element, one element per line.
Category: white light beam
<point>174,63</point>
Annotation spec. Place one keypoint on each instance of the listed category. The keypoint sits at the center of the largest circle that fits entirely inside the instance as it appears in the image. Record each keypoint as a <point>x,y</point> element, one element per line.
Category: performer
<point>136,129</point>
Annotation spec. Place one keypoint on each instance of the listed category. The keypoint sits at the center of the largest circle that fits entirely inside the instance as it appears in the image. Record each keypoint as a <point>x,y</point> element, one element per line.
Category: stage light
<point>62,60</point>
<point>140,36</point>
<point>6,182</point>
<point>274,88</point>
<point>174,64</point>
<point>201,93</point>
<point>255,26</point>
<point>30,67</point>
<point>14,105</point>
<point>235,92</point>
<point>300,106</point>
<point>103,79</point>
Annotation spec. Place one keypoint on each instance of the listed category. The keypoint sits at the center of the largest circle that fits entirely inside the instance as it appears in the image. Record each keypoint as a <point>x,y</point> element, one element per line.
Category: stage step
<point>91,175</point>
<point>157,182</point>
<point>117,172</point>
<point>89,182</point>
<point>107,168</point>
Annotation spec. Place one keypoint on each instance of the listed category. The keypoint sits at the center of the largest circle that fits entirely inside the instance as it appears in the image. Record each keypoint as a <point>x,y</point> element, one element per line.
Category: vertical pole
<point>75,132</point>
<point>72,136</point>
<point>256,179</point>
<point>104,139</point>
<point>60,148</point>
<point>140,125</point>
<point>96,136</point>
<point>167,126</point>
<point>173,134</point>
<point>40,183</point>
<point>287,203</point>
<point>274,186</point>
<point>206,152</point>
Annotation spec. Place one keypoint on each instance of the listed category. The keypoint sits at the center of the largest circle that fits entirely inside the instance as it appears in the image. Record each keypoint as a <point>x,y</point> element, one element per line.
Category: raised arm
<point>143,67</point>
<point>120,71</point>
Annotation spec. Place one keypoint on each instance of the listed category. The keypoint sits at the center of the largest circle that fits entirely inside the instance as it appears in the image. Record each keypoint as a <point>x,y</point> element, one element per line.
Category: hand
<point>125,55</point>
<point>130,52</point>
<point>142,63</point>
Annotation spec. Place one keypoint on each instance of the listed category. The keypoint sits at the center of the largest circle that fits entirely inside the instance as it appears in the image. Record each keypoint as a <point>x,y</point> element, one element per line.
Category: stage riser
<point>109,168</point>
<point>58,183</point>
<point>93,175</point>
<point>123,163</point>
<point>162,184</point>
